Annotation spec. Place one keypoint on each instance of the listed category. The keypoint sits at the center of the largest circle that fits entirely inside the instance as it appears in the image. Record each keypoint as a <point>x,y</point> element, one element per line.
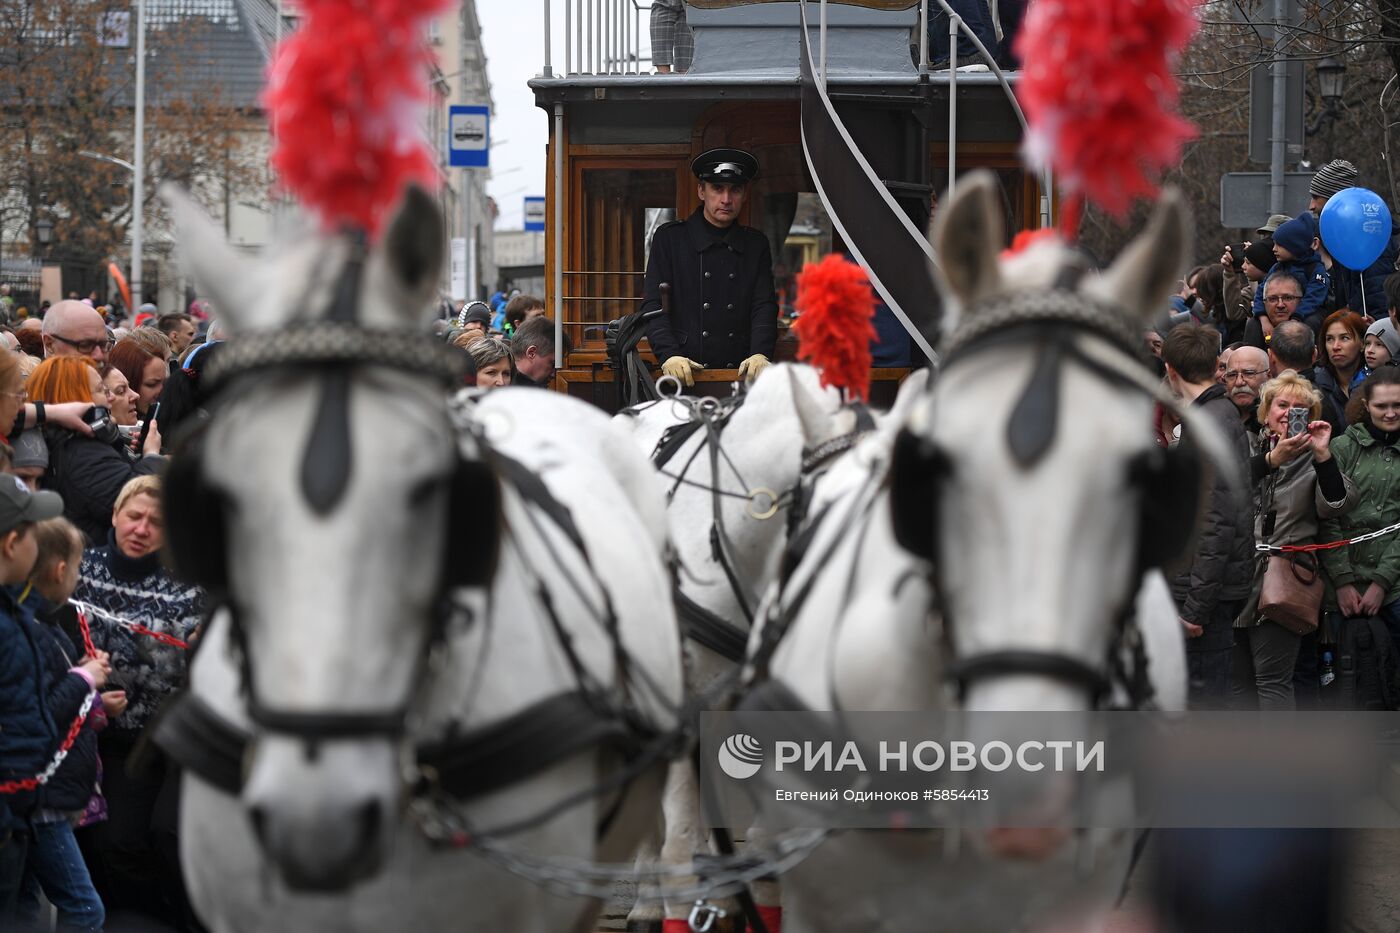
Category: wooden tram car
<point>621,143</point>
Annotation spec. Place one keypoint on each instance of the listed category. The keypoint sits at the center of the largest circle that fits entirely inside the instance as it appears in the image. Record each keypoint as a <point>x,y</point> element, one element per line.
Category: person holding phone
<point>1298,484</point>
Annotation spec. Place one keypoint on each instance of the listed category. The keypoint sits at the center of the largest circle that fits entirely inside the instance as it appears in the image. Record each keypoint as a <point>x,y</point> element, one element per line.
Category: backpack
<point>1368,668</point>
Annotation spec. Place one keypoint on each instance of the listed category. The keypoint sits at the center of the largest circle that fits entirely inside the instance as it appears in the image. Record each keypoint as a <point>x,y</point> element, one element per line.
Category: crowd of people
<point>1297,360</point>
<point>514,346</point>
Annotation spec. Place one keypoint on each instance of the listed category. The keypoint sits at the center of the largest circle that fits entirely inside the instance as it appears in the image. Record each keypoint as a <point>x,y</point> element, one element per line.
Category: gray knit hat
<point>31,451</point>
<point>1332,178</point>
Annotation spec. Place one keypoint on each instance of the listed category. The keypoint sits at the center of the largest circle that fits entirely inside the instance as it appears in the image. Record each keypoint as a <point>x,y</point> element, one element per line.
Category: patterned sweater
<point>139,590</point>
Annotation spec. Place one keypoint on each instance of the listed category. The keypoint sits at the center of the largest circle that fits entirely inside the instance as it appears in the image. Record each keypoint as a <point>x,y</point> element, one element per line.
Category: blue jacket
<point>27,733</point>
<point>72,785</point>
<point>1312,278</point>
<point>1350,284</point>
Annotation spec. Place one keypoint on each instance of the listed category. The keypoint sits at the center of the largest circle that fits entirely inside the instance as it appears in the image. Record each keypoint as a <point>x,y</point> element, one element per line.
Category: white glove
<point>751,367</point>
<point>681,369</point>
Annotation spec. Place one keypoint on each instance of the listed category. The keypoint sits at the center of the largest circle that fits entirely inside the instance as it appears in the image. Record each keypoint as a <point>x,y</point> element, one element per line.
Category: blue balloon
<point>1355,227</point>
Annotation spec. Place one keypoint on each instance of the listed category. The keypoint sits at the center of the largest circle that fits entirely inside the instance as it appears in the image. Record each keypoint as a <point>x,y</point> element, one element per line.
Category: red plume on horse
<point>834,328</point>
<point>344,96</point>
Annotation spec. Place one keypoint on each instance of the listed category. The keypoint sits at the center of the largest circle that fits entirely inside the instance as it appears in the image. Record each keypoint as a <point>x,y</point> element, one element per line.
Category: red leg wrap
<point>675,926</point>
<point>772,918</point>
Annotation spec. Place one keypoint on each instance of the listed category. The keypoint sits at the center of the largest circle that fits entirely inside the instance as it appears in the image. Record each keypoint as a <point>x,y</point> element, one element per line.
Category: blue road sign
<point>469,136</point>
<point>534,214</point>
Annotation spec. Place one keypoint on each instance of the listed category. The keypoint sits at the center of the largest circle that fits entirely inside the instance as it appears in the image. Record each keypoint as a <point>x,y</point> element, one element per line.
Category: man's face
<point>181,336</point>
<point>722,201</point>
<point>477,326</point>
<point>1281,298</point>
<point>1246,373</point>
<point>538,366</point>
<point>1316,203</point>
<point>84,335</point>
<point>1153,340</point>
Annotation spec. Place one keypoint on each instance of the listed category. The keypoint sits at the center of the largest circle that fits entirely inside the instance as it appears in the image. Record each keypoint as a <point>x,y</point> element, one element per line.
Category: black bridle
<point>1055,322</point>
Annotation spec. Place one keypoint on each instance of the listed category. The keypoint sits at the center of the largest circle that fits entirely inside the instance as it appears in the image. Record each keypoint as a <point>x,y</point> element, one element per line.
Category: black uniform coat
<point>723,309</point>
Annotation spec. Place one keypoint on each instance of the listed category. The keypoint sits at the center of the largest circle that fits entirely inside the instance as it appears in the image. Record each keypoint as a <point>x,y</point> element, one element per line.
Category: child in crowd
<point>28,736</point>
<point>55,864</point>
<point>1382,348</point>
<point>1294,253</point>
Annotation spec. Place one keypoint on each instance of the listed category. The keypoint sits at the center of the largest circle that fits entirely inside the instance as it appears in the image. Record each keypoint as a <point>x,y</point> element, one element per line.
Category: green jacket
<point>1375,470</point>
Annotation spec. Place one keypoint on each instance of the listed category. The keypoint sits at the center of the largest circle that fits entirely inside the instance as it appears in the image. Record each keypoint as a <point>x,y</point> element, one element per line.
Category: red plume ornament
<point>345,98</point>
<point>834,329</point>
<point>1100,96</point>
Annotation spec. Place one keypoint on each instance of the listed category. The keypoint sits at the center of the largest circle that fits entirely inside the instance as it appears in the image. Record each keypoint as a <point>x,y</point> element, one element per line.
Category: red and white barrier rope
<point>88,609</point>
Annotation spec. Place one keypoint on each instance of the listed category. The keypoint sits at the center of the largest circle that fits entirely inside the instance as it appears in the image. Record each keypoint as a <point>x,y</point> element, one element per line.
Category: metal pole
<point>559,143</point>
<point>467,233</point>
<point>588,33</point>
<point>1278,141</point>
<point>548,71</point>
<point>954,21</point>
<point>823,44</point>
<point>568,26</point>
<point>138,184</point>
<point>923,39</point>
<point>637,31</point>
<point>1047,196</point>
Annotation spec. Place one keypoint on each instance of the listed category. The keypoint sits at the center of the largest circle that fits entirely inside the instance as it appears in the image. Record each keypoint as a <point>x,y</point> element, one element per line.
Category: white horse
<point>448,649</point>
<point>1015,502</point>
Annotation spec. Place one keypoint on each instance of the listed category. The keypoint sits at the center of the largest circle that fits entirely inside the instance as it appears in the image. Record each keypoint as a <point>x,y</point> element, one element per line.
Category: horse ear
<point>968,235</point>
<point>222,272</point>
<point>815,419</point>
<point>1152,263</point>
<point>412,250</point>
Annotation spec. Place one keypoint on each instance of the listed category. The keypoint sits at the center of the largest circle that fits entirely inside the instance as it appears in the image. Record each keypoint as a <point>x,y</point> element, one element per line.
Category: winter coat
<point>139,590</point>
<point>65,691</point>
<point>1364,291</point>
<point>1312,277</point>
<point>1334,400</point>
<point>1374,468</point>
<point>1294,498</point>
<point>723,307</point>
<point>89,474</point>
<point>1221,568</point>
<point>27,733</point>
<point>1239,295</point>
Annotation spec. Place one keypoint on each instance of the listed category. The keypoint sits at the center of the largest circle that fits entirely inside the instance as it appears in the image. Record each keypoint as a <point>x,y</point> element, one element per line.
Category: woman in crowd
<point>145,371</point>
<point>88,471</point>
<point>1299,484</point>
<point>492,356</point>
<point>123,581</point>
<point>122,396</point>
<point>1367,574</point>
<point>1339,347</point>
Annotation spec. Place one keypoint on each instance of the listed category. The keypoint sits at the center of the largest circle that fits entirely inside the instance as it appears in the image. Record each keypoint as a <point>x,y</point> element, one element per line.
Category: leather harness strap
<point>708,629</point>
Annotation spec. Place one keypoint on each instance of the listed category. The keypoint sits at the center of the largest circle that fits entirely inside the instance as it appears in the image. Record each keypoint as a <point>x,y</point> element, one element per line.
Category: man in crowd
<point>1212,589</point>
<point>1246,371</point>
<point>724,312</point>
<point>179,329</point>
<point>532,344</point>
<point>72,328</point>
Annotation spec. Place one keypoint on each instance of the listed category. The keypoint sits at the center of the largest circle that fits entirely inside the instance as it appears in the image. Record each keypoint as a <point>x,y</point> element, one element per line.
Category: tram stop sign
<point>534,215</point>
<point>469,136</point>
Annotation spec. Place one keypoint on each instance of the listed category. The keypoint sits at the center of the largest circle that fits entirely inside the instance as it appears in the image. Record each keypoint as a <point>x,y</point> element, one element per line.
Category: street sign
<point>534,214</point>
<point>470,136</point>
<point>459,267</point>
<point>1244,197</point>
<point>1261,112</point>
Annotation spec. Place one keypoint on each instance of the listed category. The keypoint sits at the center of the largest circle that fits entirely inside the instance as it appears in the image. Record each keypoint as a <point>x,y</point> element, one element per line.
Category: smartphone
<point>1297,421</point>
<point>155,410</point>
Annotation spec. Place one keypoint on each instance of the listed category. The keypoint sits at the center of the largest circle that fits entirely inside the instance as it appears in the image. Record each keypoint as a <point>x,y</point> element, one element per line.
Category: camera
<point>1297,421</point>
<point>103,427</point>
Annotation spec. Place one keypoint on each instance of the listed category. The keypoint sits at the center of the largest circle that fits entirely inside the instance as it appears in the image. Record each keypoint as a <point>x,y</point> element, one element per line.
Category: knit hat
<point>1332,178</point>
<point>1382,329</point>
<point>475,311</point>
<point>31,451</point>
<point>1272,224</point>
<point>1296,236</point>
<point>1261,254</point>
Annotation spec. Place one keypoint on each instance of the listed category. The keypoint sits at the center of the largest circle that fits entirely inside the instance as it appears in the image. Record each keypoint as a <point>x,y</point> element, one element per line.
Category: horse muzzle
<point>324,814</point>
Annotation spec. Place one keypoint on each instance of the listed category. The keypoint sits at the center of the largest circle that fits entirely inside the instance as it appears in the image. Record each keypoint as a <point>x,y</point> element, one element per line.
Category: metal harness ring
<point>755,495</point>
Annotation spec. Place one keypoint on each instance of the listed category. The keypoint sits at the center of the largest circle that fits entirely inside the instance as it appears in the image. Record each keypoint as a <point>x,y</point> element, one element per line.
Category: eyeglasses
<point>1281,299</point>
<point>86,346</point>
<point>1232,374</point>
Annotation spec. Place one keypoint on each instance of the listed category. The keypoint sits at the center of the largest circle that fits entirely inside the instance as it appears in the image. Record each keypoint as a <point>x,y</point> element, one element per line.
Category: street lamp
<point>1331,78</point>
<point>43,231</point>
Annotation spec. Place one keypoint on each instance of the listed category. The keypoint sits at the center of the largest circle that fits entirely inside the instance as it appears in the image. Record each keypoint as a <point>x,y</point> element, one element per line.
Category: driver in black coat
<point>724,312</point>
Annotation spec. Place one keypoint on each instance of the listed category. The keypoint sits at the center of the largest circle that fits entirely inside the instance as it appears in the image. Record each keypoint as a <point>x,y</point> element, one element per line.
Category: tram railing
<point>600,37</point>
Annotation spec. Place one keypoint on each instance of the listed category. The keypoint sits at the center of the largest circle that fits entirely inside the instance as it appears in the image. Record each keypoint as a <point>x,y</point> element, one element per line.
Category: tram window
<point>1012,188</point>
<point>620,210</point>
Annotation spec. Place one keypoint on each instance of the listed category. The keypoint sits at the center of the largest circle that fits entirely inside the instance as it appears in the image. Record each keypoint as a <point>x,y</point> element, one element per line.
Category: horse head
<point>316,502</point>
<point>1034,457</point>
